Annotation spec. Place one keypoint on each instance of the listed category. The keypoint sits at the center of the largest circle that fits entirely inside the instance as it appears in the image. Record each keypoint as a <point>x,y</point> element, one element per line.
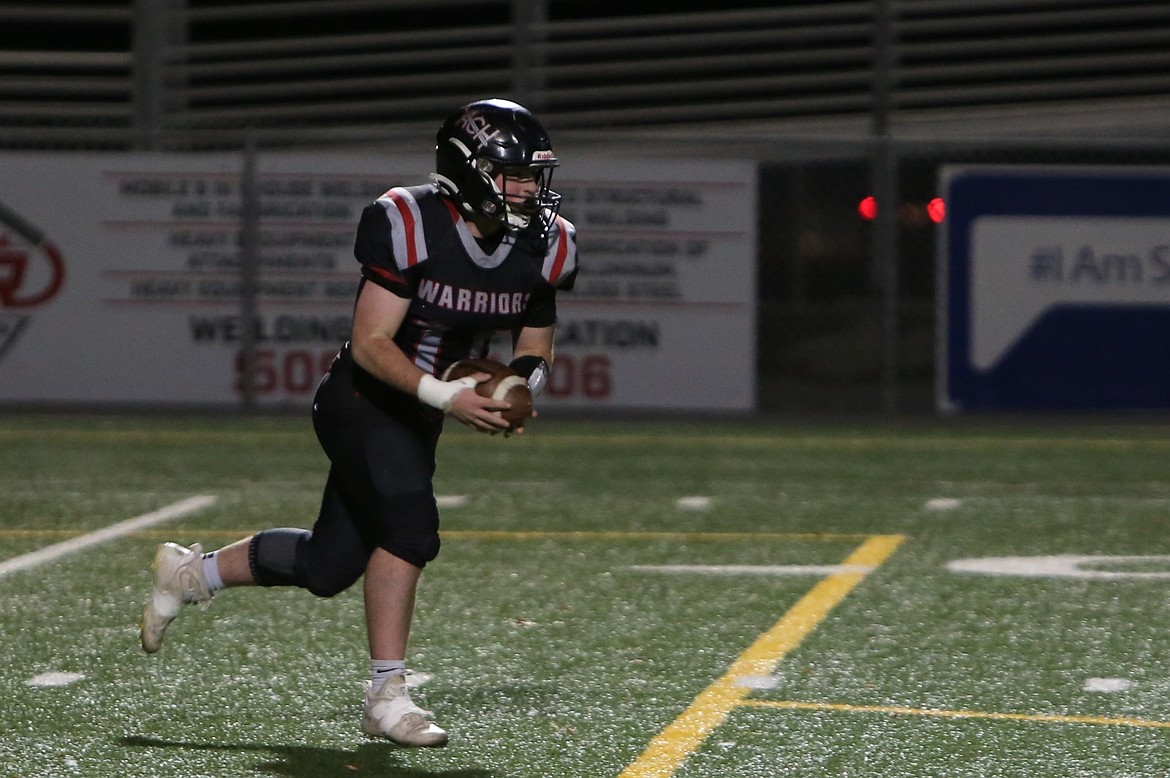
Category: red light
<point>936,209</point>
<point>868,208</point>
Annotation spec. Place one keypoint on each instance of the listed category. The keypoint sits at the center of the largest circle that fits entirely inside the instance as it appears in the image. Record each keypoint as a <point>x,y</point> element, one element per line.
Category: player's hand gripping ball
<point>504,385</point>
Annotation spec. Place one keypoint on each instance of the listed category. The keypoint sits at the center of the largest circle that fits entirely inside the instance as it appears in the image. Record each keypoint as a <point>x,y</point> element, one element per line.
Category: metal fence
<point>835,101</point>
<point>847,324</point>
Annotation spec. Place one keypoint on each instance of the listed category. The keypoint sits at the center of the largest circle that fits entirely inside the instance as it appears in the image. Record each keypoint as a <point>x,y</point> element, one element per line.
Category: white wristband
<point>440,394</point>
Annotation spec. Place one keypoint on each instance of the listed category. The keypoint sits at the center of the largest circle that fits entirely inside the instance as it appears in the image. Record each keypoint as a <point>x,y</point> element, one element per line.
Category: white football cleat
<point>177,581</point>
<point>390,713</point>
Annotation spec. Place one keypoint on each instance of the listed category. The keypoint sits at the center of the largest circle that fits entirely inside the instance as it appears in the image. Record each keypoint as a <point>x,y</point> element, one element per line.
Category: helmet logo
<point>477,128</point>
<point>542,156</point>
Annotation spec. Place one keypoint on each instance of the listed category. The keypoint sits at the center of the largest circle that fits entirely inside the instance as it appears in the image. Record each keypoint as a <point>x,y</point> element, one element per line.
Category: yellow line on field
<point>495,535</point>
<point>959,714</point>
<point>103,534</point>
<point>154,533</point>
<point>617,535</point>
<point>671,747</point>
<point>965,439</point>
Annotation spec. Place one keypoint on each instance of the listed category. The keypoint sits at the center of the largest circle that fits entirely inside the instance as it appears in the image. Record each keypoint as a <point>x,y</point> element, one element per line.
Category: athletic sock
<point>381,669</point>
<point>211,572</point>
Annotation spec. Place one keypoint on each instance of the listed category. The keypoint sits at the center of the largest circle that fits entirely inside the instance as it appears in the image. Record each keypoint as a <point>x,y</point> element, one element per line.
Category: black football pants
<point>379,493</point>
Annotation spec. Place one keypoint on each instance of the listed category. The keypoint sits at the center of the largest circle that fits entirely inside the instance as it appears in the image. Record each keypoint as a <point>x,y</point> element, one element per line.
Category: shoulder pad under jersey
<point>407,240</point>
<point>560,260</point>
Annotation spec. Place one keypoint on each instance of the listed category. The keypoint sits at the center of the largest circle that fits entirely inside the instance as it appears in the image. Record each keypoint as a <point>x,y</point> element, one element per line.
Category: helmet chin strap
<point>482,226</point>
<point>512,219</point>
<point>517,220</point>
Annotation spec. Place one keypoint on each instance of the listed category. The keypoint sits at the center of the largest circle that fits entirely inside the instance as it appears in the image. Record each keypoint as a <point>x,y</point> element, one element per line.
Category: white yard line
<point>57,550</point>
<point>54,679</point>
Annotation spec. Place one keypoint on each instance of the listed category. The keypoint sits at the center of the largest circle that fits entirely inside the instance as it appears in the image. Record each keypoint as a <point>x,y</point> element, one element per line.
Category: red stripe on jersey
<point>408,225</point>
<point>387,274</point>
<point>562,252</point>
<point>453,209</point>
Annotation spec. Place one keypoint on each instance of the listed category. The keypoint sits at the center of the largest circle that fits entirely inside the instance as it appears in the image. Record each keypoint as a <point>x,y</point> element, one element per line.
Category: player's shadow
<point>379,759</point>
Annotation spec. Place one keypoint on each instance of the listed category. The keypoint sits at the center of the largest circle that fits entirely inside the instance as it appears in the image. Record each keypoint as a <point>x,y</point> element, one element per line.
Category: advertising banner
<point>121,278</point>
<point>1055,288</point>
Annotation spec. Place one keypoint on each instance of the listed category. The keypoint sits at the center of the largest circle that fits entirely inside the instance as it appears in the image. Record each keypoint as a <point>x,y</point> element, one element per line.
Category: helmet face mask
<point>495,160</point>
<point>527,194</point>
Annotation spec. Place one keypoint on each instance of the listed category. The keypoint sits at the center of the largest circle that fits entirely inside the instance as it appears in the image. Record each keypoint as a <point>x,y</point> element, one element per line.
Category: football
<point>504,384</point>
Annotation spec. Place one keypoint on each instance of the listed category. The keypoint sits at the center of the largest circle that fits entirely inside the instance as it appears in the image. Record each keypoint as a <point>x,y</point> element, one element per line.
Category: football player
<point>445,265</point>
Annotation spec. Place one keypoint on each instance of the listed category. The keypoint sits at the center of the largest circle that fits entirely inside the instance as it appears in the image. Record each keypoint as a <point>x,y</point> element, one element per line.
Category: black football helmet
<point>488,138</point>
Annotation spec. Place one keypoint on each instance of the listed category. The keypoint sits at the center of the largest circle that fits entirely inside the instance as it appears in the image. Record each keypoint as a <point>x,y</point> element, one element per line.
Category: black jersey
<point>415,243</point>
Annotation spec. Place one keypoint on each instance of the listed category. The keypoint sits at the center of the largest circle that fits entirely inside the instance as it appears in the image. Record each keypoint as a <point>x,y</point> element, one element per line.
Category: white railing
<point>151,72</point>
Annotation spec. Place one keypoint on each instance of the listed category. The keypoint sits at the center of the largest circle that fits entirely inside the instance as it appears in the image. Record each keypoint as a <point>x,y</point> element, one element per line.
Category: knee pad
<point>290,557</point>
<point>272,556</point>
<point>410,527</point>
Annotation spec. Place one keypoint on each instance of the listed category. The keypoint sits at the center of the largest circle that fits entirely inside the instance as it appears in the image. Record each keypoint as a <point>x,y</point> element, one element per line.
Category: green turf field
<point>622,599</point>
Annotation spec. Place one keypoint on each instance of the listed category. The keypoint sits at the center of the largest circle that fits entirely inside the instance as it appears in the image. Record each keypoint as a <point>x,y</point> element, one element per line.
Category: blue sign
<point>1055,289</point>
